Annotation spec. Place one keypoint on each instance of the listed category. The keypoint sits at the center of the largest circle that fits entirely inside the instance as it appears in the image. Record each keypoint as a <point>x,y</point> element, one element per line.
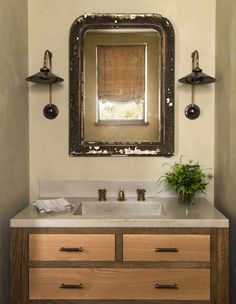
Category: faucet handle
<point>102,194</point>
<point>141,194</point>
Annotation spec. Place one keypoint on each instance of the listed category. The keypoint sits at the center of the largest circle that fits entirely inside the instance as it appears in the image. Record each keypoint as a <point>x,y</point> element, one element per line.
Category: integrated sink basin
<point>124,209</point>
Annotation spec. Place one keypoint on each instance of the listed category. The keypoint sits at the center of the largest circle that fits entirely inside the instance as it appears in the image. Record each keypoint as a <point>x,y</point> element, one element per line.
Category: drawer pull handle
<point>68,249</point>
<point>79,286</point>
<point>167,286</point>
<point>162,249</point>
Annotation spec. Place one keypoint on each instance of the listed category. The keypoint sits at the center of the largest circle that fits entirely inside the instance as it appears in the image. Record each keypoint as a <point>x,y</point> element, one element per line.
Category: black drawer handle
<point>78,286</point>
<point>162,249</point>
<point>69,249</point>
<point>167,286</point>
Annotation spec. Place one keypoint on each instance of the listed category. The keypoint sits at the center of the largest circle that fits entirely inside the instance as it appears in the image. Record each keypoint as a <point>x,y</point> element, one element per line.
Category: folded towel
<point>53,205</point>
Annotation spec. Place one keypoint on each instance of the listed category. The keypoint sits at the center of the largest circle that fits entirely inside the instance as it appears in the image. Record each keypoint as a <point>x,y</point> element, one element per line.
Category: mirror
<point>121,86</point>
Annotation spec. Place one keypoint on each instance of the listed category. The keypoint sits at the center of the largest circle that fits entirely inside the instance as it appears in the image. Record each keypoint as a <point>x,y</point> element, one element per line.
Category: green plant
<point>186,179</point>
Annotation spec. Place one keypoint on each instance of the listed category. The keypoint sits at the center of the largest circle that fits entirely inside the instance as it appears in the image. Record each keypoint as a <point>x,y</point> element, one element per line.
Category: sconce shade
<point>44,77</point>
<point>197,77</point>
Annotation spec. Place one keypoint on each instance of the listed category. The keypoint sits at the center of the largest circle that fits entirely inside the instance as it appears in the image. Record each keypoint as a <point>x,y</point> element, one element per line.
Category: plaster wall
<point>225,127</point>
<point>14,143</point>
<point>49,26</point>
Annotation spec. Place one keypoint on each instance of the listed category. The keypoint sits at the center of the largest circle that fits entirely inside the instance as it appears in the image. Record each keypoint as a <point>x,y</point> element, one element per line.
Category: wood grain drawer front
<point>166,247</point>
<point>118,283</point>
<point>72,247</point>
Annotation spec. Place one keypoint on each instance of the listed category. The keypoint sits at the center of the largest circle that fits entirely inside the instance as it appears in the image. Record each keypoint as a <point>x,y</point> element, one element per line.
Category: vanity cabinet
<point>119,265</point>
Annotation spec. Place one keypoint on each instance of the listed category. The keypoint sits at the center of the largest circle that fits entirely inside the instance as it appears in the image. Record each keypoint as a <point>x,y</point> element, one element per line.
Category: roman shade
<point>121,73</point>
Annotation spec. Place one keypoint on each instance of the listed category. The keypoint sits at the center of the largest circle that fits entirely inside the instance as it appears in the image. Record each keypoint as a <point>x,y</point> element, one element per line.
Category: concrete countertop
<point>200,214</point>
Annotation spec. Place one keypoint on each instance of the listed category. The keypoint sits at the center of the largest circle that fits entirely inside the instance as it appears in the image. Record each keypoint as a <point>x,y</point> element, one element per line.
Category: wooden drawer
<point>166,247</point>
<point>72,247</point>
<point>118,283</point>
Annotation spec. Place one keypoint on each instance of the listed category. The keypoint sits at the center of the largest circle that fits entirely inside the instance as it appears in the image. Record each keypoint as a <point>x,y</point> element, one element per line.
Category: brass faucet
<point>141,194</point>
<point>102,194</point>
<point>121,195</point>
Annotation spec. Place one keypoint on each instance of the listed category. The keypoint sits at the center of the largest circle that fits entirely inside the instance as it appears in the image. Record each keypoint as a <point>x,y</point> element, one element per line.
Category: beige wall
<point>50,21</point>
<point>14,154</point>
<point>225,128</point>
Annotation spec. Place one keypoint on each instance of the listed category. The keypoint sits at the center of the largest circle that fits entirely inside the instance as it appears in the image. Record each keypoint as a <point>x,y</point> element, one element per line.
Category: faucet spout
<point>121,195</point>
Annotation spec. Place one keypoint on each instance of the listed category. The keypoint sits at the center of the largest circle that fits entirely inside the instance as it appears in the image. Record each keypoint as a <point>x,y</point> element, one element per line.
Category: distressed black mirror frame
<point>80,147</point>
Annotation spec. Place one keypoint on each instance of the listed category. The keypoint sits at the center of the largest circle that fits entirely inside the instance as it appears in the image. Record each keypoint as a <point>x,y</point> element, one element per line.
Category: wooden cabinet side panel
<point>220,266</point>
<point>19,265</point>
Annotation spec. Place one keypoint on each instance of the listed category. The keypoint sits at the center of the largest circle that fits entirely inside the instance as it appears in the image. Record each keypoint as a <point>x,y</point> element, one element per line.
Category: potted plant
<point>187,180</point>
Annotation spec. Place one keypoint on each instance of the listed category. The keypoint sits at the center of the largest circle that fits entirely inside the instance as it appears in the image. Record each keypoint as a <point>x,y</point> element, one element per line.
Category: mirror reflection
<point>122,77</point>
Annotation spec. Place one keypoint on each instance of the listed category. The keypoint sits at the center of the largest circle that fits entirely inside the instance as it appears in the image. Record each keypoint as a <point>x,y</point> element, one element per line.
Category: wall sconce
<point>192,111</point>
<point>45,76</point>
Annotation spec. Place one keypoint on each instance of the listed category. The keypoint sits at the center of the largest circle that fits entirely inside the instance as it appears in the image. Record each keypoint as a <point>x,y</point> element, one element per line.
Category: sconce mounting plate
<point>50,111</point>
<point>192,111</point>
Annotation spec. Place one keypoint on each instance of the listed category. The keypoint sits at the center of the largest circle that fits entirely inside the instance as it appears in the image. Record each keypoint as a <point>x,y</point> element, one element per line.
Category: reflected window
<point>121,83</point>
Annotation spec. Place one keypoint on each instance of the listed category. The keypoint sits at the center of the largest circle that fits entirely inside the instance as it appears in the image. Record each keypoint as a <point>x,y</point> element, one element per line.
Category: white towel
<point>53,205</point>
